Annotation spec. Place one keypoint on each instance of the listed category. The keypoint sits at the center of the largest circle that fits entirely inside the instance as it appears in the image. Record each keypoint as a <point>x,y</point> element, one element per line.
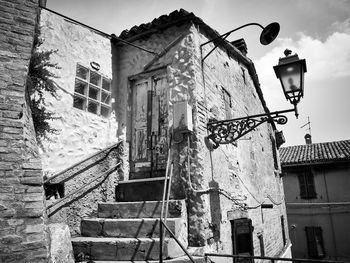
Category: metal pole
<point>160,241</point>
<point>162,209</point>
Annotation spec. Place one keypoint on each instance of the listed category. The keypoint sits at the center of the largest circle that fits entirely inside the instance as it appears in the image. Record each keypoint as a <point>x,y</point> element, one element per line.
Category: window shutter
<point>303,186</point>
<point>311,242</point>
<point>319,242</point>
<point>315,242</point>
<point>310,184</point>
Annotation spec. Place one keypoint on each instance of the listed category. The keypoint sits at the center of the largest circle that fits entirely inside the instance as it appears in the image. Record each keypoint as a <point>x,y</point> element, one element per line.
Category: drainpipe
<point>330,215</point>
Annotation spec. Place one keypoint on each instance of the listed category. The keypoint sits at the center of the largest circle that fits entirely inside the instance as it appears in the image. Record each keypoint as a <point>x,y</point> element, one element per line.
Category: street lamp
<point>290,70</point>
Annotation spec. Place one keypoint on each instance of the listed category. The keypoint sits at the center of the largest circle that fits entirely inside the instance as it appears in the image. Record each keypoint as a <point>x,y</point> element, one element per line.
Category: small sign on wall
<point>183,116</point>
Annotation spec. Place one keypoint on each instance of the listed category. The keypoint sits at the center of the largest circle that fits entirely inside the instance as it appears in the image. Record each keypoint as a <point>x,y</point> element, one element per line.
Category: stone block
<point>10,239</point>
<point>139,209</point>
<point>12,114</point>
<point>34,181</point>
<point>34,228</point>
<point>120,248</point>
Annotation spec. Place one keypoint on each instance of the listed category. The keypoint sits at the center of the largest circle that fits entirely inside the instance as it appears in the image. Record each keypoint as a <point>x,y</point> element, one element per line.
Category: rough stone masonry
<point>23,235</point>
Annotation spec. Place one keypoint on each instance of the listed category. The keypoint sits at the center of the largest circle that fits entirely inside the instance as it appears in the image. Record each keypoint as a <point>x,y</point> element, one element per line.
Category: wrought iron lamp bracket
<point>228,131</point>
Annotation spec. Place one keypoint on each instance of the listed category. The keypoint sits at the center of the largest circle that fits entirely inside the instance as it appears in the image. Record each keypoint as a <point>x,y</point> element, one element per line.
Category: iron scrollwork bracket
<point>228,131</point>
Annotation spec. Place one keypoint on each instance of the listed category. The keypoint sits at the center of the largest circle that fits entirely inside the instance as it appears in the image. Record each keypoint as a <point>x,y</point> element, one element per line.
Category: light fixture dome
<point>269,33</point>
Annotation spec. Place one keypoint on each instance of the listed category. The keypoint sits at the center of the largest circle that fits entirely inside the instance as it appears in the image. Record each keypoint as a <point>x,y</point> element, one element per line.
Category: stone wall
<point>242,173</point>
<point>129,61</point>
<point>245,171</point>
<point>23,236</point>
<point>80,133</point>
<point>86,185</point>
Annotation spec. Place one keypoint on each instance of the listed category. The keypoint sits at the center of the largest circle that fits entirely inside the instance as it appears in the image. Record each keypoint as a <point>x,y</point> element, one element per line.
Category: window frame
<point>314,239</point>
<point>227,101</point>
<point>100,89</point>
<point>307,184</point>
<point>239,227</point>
<point>284,237</point>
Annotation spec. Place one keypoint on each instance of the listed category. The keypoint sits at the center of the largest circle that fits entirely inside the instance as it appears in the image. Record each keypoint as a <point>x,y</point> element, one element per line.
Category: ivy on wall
<point>39,84</point>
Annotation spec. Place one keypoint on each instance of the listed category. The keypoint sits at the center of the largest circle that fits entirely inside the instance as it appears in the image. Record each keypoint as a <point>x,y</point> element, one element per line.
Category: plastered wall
<point>80,133</point>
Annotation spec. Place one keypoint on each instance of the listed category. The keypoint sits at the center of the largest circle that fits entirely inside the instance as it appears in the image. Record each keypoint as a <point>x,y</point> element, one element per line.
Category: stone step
<point>146,189</point>
<point>143,209</point>
<point>183,259</point>
<point>130,227</point>
<point>109,248</point>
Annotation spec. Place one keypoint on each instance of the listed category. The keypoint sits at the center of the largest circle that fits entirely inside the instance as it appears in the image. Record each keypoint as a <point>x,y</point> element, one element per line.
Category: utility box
<point>183,117</point>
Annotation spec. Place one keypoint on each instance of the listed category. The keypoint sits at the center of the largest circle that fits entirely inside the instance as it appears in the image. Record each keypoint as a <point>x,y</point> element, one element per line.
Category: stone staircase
<point>128,230</point>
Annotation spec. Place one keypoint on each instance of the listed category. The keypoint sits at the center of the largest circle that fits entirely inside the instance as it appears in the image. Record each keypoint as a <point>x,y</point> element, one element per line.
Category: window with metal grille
<point>92,92</point>
<point>307,184</point>
<point>315,243</point>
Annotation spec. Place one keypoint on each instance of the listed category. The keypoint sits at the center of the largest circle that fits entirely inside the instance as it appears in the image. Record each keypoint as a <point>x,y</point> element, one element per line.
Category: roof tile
<point>316,153</point>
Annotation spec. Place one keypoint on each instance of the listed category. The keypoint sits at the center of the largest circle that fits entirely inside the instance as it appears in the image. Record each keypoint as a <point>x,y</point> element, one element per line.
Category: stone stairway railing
<point>85,183</point>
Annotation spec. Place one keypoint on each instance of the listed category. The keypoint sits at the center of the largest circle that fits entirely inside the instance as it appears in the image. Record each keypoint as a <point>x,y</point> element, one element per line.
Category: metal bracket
<point>228,131</point>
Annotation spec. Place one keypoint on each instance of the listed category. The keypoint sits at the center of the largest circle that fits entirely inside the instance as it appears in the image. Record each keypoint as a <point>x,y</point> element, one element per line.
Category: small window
<point>92,92</point>
<point>226,97</point>
<point>307,184</point>
<point>242,238</point>
<point>283,231</point>
<point>315,244</point>
<point>82,72</point>
<point>95,78</point>
<point>106,84</point>
<point>92,107</point>
<point>106,98</point>
<point>80,87</point>
<point>79,103</point>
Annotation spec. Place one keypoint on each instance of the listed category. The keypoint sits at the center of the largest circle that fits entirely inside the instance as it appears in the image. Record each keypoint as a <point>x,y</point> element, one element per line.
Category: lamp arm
<point>229,32</point>
<point>228,131</point>
<point>224,36</point>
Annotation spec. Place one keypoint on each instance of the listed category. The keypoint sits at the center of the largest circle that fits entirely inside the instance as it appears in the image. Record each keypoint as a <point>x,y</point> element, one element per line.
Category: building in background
<point>316,182</point>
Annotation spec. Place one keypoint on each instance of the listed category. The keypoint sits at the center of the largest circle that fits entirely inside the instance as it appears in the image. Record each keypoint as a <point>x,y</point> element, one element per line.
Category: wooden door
<point>242,239</point>
<point>149,134</point>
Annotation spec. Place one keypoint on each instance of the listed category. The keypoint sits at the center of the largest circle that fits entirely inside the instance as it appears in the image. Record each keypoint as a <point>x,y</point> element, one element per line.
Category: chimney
<point>240,45</point>
<point>308,139</point>
<point>42,3</point>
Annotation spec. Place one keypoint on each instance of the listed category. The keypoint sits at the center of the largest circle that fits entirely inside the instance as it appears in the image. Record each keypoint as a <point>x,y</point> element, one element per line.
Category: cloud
<point>327,60</point>
<point>326,88</point>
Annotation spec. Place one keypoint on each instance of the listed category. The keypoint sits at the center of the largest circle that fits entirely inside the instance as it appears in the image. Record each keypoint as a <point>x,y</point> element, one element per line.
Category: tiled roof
<point>315,153</point>
<point>161,22</point>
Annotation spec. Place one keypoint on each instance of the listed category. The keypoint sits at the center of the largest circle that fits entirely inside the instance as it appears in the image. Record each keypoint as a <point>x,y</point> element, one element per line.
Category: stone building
<point>149,89</point>
<point>316,180</point>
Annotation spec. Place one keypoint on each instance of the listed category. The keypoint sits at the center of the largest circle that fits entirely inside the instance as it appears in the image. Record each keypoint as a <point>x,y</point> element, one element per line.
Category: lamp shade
<point>290,71</point>
<point>269,33</point>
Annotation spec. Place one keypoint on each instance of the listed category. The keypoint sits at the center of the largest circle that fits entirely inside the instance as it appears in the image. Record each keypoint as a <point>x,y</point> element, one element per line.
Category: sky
<point>317,30</point>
